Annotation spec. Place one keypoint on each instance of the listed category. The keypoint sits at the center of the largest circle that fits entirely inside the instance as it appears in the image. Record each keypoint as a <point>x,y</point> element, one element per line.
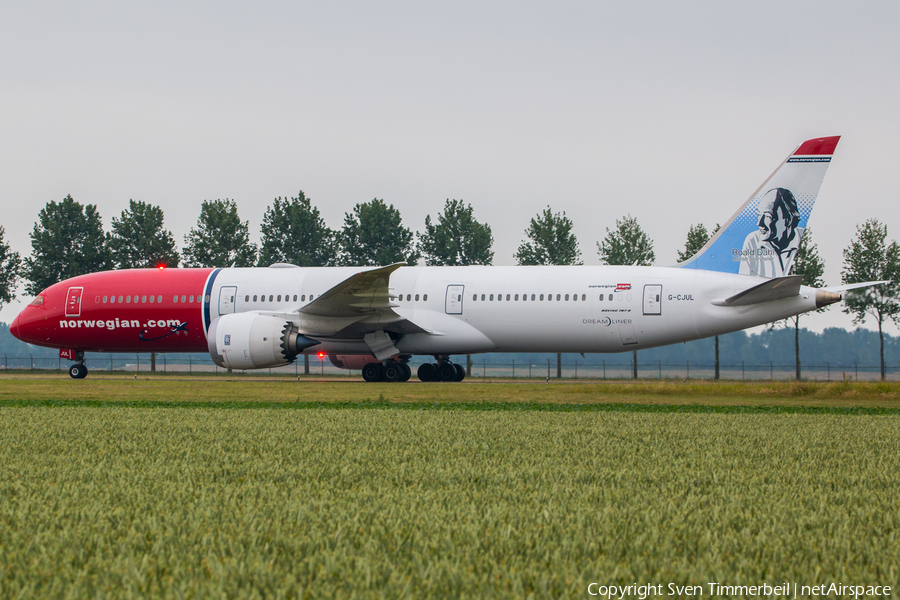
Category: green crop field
<point>218,489</point>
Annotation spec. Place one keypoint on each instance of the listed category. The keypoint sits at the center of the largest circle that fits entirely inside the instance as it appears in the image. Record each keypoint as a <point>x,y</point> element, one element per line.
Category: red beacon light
<point>161,266</point>
<point>321,355</point>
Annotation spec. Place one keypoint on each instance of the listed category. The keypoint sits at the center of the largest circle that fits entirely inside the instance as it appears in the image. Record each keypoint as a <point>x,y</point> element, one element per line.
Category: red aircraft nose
<point>14,328</point>
<point>26,322</point>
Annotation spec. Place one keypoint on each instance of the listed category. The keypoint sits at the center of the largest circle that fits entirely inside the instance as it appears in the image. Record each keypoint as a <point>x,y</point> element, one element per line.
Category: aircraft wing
<point>358,305</point>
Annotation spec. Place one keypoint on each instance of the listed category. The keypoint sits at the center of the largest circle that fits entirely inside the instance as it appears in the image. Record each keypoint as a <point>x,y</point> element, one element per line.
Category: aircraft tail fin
<point>762,237</point>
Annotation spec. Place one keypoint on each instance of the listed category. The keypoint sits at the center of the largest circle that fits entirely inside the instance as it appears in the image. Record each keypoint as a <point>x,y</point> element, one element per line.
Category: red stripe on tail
<point>818,146</point>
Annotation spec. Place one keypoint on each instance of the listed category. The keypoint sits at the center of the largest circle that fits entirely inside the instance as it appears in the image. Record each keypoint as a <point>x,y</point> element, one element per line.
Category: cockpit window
<point>37,301</point>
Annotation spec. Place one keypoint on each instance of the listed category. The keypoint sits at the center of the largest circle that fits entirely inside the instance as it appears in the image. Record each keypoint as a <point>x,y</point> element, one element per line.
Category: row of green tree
<point>68,239</point>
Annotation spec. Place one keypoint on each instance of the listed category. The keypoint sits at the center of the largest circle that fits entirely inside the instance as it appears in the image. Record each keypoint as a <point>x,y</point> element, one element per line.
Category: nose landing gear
<point>78,370</point>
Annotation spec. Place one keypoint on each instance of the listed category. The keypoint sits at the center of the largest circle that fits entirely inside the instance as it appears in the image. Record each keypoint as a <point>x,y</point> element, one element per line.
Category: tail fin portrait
<point>762,237</point>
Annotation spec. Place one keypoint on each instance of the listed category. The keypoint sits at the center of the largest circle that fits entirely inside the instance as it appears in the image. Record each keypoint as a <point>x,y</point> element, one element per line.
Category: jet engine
<point>253,341</point>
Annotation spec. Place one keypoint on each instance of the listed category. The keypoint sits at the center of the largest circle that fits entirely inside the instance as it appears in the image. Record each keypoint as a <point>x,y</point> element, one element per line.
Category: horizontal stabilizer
<point>772,289</point>
<point>853,286</point>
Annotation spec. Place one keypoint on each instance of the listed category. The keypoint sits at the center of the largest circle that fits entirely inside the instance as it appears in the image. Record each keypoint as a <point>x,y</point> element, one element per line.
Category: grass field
<point>125,488</point>
<point>149,390</point>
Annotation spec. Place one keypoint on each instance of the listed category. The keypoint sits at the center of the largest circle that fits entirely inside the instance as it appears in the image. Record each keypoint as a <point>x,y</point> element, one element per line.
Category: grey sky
<point>674,112</point>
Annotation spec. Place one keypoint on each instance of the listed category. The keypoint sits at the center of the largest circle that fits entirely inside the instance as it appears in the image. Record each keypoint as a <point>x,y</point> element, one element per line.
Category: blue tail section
<point>762,238</point>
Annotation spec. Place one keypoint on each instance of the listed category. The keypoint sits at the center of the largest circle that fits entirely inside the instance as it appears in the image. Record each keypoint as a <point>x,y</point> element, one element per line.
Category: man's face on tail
<point>773,222</point>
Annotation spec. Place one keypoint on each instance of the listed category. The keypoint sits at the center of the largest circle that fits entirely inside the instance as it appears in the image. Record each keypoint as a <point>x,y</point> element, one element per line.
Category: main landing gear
<point>390,371</point>
<point>78,370</point>
<point>444,370</point>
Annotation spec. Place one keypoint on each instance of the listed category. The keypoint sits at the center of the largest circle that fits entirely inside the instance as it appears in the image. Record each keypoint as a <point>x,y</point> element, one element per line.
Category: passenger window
<point>567,297</point>
<point>507,297</point>
<point>152,299</point>
<point>311,297</point>
<point>517,296</point>
<point>279,297</point>
<point>583,297</point>
<point>302,298</point>
<point>254,297</point>
<point>417,297</point>
<point>127,299</point>
<point>557,297</point>
<point>425,298</point>
<point>601,297</point>
<point>295,297</point>
<point>191,298</point>
<point>482,297</point>
<point>610,297</point>
<point>112,299</point>
<point>492,296</point>
<point>247,298</point>
<point>120,299</point>
<point>542,297</point>
<point>104,299</point>
<point>474,297</point>
<point>270,297</point>
<point>143,299</point>
<point>532,298</point>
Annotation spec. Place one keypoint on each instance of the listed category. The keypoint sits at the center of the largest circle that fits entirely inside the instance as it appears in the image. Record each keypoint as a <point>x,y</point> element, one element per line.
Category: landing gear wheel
<point>372,372</point>
<point>427,372</point>
<point>78,371</point>
<point>447,371</point>
<point>407,372</point>
<point>460,372</point>
<point>393,372</point>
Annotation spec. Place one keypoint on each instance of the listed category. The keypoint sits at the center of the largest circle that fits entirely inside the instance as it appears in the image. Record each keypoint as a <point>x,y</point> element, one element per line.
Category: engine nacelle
<point>354,362</point>
<point>253,341</point>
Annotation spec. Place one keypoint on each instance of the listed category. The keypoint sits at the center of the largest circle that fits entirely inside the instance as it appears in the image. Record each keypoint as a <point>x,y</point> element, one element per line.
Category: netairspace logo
<point>716,589</point>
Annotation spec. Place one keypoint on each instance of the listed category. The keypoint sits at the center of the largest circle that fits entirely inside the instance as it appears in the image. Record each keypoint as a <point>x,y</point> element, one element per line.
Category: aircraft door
<point>227,296</point>
<point>653,299</point>
<point>454,302</point>
<point>73,302</point>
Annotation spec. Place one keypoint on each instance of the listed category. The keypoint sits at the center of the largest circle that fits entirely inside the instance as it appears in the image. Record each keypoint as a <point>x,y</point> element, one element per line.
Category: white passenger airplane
<point>376,319</point>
